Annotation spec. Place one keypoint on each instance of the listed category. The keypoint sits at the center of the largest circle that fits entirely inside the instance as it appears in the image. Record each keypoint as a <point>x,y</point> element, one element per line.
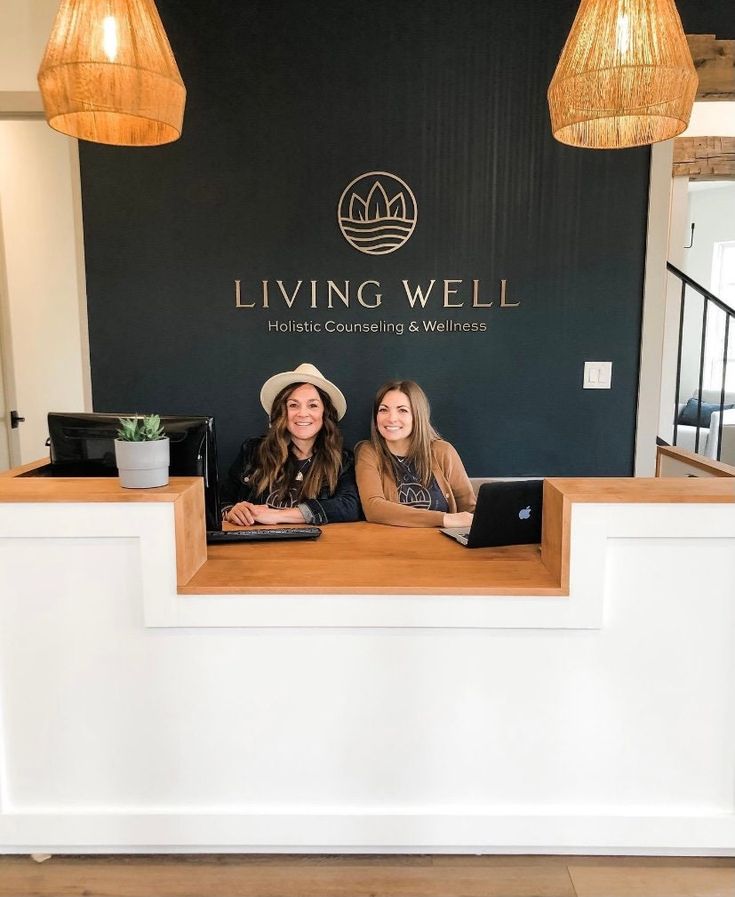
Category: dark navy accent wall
<point>287,103</point>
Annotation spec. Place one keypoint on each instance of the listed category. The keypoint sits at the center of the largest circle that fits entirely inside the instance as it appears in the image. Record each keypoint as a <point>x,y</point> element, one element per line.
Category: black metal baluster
<point>678,359</point>
<point>701,374</point>
<point>729,312</point>
<point>722,388</point>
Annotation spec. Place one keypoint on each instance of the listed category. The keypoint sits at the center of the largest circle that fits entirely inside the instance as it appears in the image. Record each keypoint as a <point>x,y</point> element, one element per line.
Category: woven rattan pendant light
<point>625,76</point>
<point>108,74</point>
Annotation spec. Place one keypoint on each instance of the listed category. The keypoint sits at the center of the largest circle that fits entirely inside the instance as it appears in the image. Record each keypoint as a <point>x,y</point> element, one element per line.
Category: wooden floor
<point>366,876</point>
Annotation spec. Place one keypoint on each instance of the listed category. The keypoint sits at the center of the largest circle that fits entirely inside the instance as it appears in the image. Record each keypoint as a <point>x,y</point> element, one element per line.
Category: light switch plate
<point>597,375</point>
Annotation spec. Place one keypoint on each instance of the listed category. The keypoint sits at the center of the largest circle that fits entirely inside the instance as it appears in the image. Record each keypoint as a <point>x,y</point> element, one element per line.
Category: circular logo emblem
<point>414,494</point>
<point>377,213</point>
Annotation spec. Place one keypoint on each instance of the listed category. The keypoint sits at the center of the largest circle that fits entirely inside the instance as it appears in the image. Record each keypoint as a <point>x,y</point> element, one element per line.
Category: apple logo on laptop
<point>524,513</point>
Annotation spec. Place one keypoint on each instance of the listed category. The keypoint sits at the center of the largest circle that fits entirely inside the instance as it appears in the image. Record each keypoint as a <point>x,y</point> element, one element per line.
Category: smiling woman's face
<point>305,412</point>
<point>394,420</point>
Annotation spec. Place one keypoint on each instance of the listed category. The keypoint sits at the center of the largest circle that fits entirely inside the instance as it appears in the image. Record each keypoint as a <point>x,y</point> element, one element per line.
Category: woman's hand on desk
<point>245,513</point>
<point>461,518</point>
<point>242,514</point>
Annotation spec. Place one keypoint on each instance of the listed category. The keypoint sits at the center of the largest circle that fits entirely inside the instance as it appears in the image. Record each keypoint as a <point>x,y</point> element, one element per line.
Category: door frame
<point>7,382</point>
<point>27,105</point>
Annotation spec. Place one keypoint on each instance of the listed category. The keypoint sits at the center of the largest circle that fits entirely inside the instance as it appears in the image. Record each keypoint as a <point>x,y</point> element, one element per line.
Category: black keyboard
<point>220,537</point>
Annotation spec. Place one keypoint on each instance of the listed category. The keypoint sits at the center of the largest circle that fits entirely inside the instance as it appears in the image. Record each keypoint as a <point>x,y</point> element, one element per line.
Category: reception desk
<point>380,689</point>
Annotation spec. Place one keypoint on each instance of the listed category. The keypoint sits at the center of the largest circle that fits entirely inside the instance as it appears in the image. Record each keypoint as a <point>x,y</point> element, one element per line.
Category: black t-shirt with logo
<point>292,497</point>
<point>412,492</point>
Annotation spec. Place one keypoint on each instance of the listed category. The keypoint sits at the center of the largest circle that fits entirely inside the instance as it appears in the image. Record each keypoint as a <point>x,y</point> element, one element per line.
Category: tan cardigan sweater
<point>379,494</point>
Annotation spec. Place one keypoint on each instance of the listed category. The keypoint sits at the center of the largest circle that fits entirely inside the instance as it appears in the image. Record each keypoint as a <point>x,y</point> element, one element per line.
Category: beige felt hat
<point>304,373</point>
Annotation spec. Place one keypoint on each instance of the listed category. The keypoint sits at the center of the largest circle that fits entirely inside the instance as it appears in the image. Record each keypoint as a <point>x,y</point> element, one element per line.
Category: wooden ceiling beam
<point>709,158</point>
<point>714,61</point>
<point>705,158</point>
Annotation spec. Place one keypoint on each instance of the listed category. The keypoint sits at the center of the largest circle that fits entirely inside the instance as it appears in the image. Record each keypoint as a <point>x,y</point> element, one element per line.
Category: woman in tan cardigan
<point>406,474</point>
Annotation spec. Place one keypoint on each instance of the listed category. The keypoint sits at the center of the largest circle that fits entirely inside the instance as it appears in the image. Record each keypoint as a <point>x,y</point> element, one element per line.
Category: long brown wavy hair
<point>276,465</point>
<point>422,434</point>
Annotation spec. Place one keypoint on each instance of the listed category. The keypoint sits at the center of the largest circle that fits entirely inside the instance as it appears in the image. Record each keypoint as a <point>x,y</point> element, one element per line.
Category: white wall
<point>25,26</point>
<point>713,211</point>
<point>655,391</point>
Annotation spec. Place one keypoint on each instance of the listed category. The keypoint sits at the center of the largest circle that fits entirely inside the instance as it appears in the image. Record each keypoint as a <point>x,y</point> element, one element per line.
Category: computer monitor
<point>82,445</point>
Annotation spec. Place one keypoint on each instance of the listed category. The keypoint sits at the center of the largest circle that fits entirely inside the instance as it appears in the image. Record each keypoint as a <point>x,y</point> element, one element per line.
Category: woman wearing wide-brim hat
<point>299,472</point>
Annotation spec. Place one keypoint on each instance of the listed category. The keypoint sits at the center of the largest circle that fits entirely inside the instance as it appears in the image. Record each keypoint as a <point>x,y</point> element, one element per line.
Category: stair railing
<point>710,302</point>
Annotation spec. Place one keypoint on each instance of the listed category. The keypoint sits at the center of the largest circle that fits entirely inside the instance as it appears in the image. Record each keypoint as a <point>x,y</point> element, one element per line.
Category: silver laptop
<point>507,513</point>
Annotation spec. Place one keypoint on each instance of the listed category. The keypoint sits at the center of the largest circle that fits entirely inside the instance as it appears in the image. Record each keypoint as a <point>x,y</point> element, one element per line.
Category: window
<point>723,286</point>
<point>723,272</point>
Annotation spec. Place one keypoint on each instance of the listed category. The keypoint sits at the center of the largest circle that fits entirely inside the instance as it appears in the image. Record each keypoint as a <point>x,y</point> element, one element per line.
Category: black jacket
<point>343,506</point>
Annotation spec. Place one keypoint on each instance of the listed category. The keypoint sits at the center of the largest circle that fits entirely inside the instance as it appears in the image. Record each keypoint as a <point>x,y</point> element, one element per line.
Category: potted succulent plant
<point>142,452</point>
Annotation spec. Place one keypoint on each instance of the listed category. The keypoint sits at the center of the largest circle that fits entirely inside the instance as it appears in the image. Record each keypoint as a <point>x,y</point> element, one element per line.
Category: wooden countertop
<point>371,558</point>
<point>92,489</point>
<point>676,462</point>
<point>365,558</point>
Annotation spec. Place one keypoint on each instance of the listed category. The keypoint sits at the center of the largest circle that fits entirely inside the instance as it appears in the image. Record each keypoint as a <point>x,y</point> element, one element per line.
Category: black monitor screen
<point>83,445</point>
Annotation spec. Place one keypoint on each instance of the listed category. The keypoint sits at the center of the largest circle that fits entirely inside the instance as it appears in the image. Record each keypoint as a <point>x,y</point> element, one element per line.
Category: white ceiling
<point>712,119</point>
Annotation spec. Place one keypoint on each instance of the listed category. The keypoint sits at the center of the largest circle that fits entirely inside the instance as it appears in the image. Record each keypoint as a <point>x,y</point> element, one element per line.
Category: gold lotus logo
<point>414,494</point>
<point>377,213</point>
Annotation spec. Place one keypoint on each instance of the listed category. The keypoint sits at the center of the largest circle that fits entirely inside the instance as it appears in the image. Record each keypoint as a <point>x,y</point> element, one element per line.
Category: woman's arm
<point>245,513</point>
<point>378,508</point>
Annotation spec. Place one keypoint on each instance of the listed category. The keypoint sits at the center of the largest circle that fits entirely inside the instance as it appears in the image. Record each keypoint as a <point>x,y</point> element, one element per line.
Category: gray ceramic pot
<point>142,465</point>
